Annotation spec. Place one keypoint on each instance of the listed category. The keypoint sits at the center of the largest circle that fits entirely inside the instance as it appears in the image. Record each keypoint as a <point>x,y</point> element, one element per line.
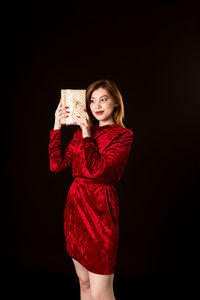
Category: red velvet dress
<point>91,215</point>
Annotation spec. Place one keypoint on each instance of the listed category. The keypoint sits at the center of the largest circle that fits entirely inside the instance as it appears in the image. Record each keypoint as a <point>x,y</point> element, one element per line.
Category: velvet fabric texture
<point>91,214</point>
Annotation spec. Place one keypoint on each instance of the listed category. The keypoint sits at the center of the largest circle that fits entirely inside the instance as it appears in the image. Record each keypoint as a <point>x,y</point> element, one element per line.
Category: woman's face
<point>100,100</point>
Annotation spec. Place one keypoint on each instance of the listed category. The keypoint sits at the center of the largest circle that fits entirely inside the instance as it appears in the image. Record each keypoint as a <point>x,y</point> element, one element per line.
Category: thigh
<point>81,271</point>
<point>99,283</point>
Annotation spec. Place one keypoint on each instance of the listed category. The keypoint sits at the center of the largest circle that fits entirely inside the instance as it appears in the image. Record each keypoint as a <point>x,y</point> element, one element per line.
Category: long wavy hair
<point>112,89</point>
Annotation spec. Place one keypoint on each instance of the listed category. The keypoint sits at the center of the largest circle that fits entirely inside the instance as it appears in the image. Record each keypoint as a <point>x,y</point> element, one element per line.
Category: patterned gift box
<point>76,101</point>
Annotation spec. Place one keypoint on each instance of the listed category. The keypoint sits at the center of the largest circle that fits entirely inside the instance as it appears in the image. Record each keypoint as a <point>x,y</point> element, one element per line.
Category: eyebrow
<point>100,97</point>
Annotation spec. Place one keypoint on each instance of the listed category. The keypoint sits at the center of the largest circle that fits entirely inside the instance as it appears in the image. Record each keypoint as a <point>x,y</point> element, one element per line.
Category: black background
<point>152,52</point>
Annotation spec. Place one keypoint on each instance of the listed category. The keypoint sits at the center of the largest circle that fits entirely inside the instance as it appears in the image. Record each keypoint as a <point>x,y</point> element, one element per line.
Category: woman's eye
<point>104,99</point>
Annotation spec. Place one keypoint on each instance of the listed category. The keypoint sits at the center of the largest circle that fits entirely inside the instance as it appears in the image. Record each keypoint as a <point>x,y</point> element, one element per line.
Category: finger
<point>62,116</point>
<point>60,103</point>
<point>61,109</point>
<point>81,120</point>
<point>60,112</point>
<point>86,115</point>
<point>58,108</point>
<point>84,122</point>
<point>64,113</point>
<point>77,122</point>
<point>66,110</point>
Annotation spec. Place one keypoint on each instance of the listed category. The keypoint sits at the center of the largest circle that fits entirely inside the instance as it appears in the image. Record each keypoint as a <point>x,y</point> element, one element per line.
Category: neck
<point>109,123</point>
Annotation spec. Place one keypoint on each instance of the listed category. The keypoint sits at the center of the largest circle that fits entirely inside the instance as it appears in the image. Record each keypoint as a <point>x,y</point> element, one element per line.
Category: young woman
<point>98,154</point>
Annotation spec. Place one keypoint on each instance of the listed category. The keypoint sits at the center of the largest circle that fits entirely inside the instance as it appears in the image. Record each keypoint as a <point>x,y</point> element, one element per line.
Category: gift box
<point>76,101</point>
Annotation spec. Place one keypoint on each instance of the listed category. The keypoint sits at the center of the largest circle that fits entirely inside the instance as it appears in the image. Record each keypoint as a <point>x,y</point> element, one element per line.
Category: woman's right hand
<point>60,113</point>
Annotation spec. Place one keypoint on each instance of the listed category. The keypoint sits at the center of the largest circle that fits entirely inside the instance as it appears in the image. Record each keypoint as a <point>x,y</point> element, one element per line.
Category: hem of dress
<point>89,269</point>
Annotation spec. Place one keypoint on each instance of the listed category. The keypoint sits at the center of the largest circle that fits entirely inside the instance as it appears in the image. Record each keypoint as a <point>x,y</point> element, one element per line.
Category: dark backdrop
<point>152,52</point>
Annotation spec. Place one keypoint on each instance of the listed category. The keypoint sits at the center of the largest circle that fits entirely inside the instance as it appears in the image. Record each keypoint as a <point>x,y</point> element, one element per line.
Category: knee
<point>84,284</point>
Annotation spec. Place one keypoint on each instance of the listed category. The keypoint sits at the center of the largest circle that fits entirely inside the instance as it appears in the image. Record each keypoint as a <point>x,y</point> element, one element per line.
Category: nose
<point>98,106</point>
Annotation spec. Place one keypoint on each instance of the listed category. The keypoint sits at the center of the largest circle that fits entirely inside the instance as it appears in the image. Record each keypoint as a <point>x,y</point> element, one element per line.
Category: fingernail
<point>78,117</point>
<point>60,99</point>
<point>66,106</point>
<point>85,110</point>
<point>67,111</point>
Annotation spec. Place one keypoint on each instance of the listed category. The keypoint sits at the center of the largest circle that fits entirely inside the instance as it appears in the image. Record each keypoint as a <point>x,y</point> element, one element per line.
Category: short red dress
<point>91,214</point>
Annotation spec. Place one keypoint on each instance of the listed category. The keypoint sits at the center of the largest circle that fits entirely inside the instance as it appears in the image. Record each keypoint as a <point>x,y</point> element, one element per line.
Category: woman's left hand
<point>85,124</point>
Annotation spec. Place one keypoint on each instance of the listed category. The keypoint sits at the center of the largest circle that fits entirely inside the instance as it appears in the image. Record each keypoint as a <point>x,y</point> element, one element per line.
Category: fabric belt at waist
<point>92,180</point>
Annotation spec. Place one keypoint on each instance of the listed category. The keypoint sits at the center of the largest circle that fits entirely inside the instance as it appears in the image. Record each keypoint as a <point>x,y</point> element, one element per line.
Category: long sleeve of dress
<point>112,161</point>
<point>59,159</point>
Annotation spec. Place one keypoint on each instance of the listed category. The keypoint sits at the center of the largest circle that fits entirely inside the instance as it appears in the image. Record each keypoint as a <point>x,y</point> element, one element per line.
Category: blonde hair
<point>112,89</point>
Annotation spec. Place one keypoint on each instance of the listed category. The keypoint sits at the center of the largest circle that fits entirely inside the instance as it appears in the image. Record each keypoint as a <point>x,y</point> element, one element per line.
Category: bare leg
<point>101,286</point>
<point>85,293</point>
<point>82,273</point>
